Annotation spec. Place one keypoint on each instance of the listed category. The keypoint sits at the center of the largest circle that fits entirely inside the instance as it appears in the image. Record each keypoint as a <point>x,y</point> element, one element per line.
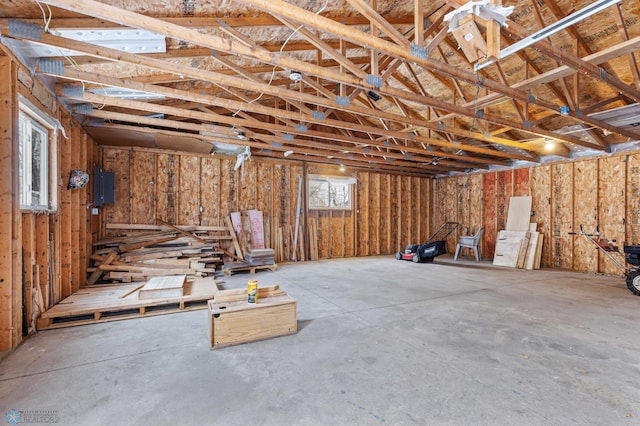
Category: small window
<point>329,192</point>
<point>34,174</point>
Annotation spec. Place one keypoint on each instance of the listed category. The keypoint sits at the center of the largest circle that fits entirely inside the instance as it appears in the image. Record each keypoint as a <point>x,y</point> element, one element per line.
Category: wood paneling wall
<point>598,193</point>
<point>43,254</point>
<point>389,211</point>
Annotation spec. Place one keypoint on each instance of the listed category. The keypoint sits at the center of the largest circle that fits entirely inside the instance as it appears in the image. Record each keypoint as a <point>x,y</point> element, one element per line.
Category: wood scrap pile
<point>138,252</point>
<point>248,230</point>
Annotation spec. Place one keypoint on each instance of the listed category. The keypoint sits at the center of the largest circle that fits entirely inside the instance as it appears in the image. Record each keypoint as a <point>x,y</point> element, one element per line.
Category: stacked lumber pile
<point>258,257</point>
<point>139,252</point>
<point>248,232</point>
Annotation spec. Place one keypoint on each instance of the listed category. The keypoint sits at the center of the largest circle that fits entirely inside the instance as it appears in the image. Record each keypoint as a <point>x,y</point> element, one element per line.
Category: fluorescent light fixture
<point>125,40</point>
<point>560,25</point>
<point>116,92</point>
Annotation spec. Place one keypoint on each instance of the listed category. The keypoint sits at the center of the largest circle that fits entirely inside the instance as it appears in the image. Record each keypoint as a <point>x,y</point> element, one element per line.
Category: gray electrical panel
<point>104,187</point>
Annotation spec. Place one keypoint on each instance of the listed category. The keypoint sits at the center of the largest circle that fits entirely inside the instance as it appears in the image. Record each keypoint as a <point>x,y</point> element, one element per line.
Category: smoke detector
<point>295,76</point>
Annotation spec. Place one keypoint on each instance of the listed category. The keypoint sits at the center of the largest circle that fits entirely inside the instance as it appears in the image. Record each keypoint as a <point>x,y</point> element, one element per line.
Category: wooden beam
<point>358,147</point>
<point>200,21</point>
<point>493,36</point>
<point>235,106</point>
<point>305,17</point>
<point>418,16</point>
<point>598,58</point>
<point>378,21</point>
<point>326,48</point>
<point>105,100</point>
<point>265,88</point>
<point>624,34</point>
<point>8,189</point>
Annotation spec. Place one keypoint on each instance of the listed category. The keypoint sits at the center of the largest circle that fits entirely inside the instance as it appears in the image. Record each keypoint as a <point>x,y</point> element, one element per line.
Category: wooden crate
<point>236,322</point>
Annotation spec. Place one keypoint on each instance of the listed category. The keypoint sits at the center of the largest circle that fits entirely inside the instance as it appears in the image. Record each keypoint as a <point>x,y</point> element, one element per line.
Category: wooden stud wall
<point>540,184</point>
<point>599,194</point>
<point>390,211</point>
<point>633,200</point>
<point>612,205</point>
<point>490,215</point>
<point>9,319</point>
<point>585,206</point>
<point>43,254</point>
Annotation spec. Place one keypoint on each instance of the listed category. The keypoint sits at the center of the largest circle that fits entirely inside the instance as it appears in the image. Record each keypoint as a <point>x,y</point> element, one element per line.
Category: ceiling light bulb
<point>342,167</point>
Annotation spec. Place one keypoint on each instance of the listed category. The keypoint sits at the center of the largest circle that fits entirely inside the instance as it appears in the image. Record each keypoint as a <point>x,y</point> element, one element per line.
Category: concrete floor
<point>379,342</point>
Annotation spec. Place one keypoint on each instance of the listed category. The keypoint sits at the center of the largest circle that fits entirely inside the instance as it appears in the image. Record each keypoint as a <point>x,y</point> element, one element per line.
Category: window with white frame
<point>330,192</point>
<point>35,174</point>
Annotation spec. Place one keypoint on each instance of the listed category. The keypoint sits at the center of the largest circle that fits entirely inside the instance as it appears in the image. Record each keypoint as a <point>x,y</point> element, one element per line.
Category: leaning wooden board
<point>233,323</point>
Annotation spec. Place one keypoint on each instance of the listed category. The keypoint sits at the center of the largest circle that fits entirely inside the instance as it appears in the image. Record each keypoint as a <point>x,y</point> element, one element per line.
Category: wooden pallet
<point>104,303</point>
<point>231,268</point>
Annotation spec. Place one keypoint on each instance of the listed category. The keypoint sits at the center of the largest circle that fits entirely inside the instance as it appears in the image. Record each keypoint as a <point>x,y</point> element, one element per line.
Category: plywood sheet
<point>166,187</point>
<point>451,211</point>
<point>264,187</point>
<point>425,208</point>
<point>415,208</point>
<point>540,183</point>
<point>117,160</point>
<point>504,191</point>
<point>464,207</point>
<point>324,235</point>
<point>489,208</point>
<point>612,205</point>
<point>521,182</point>
<point>210,191</point>
<point>374,214</point>
<point>405,185</point>
<point>562,212</point>
<point>585,214</point>
<point>337,234</point>
<point>228,187</point>
<point>189,190</point>
<point>439,195</point>
<point>385,215</point>
<point>163,287</point>
<point>396,214</point>
<point>508,247</point>
<point>532,249</point>
<point>248,194</point>
<point>633,200</point>
<point>519,214</point>
<point>349,234</point>
<point>363,214</point>
<point>143,184</point>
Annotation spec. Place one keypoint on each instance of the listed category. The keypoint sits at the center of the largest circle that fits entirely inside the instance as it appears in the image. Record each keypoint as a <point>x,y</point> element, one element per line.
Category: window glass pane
<point>340,195</point>
<point>318,193</point>
<point>329,193</point>
<point>21,158</point>
<point>36,164</point>
<point>34,167</point>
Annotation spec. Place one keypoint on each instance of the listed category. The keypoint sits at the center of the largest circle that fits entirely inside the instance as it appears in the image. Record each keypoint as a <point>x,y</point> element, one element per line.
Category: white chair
<point>472,242</point>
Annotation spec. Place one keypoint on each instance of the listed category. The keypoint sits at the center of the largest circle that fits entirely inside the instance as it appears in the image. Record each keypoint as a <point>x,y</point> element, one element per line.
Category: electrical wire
<point>273,71</point>
<point>47,20</point>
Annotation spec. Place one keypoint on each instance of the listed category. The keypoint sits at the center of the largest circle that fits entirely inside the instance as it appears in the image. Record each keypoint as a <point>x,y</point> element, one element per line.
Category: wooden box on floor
<point>236,322</point>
